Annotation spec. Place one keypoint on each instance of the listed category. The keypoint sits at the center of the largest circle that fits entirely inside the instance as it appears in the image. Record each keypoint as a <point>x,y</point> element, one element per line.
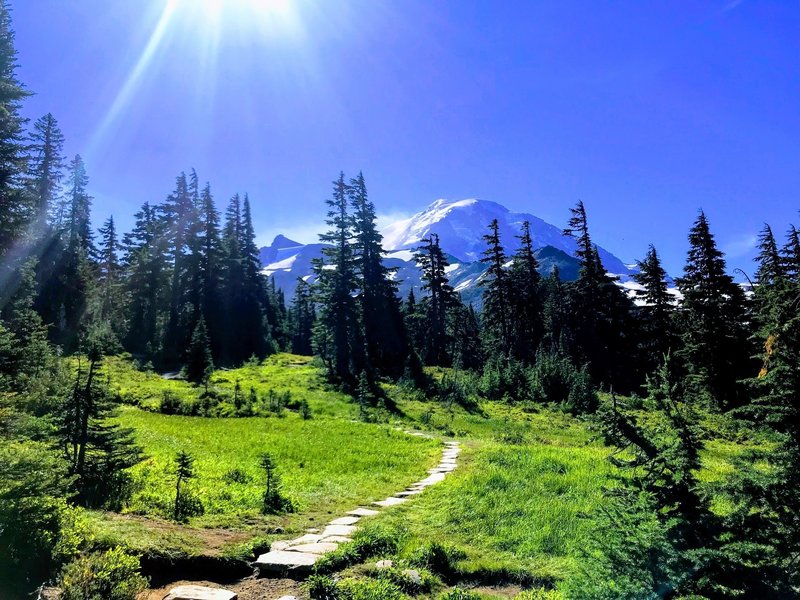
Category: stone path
<point>298,556</point>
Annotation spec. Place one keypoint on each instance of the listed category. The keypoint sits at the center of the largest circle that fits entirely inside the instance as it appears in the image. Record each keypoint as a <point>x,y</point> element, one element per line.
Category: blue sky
<point>647,111</point>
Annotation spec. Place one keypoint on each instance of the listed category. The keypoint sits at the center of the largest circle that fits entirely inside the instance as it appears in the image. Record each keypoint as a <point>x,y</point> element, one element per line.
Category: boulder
<point>413,576</point>
<point>199,592</point>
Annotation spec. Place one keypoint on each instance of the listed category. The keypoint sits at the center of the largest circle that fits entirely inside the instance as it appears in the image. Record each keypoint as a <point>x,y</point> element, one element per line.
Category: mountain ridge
<point>460,225</point>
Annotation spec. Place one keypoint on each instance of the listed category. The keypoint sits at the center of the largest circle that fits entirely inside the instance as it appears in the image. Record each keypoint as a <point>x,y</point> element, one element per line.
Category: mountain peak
<point>281,241</point>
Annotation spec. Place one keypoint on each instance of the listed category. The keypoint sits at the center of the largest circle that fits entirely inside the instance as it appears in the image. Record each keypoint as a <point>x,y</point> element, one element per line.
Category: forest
<point>657,379</point>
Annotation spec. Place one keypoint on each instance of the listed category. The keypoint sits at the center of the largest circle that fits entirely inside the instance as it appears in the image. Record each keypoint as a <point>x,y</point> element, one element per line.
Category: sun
<point>222,12</point>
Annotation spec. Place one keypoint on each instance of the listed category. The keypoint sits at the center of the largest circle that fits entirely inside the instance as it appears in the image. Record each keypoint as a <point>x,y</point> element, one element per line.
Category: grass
<point>520,505</point>
<point>324,464</point>
<point>516,508</point>
<point>281,374</point>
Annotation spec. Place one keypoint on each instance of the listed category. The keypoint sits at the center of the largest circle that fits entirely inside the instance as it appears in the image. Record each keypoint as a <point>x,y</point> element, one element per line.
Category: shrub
<point>304,409</point>
<point>556,380</point>
<point>440,558</point>
<point>236,475</point>
<point>371,540</point>
<point>322,587</point>
<point>111,575</point>
<point>274,502</point>
<point>170,403</point>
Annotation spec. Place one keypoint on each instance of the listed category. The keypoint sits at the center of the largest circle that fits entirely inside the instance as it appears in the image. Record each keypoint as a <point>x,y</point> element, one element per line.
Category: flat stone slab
<point>309,538</point>
<point>199,592</point>
<point>345,530</point>
<point>336,539</point>
<point>435,478</point>
<point>318,548</point>
<point>280,545</point>
<point>279,561</point>
<point>391,501</point>
<point>408,493</point>
<point>345,521</point>
<point>363,512</point>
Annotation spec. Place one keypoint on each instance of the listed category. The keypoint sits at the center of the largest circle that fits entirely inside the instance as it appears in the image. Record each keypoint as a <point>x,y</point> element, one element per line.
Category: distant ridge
<point>460,225</point>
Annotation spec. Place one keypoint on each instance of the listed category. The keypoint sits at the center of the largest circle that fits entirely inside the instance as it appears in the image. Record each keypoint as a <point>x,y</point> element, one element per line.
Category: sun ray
<point>133,82</point>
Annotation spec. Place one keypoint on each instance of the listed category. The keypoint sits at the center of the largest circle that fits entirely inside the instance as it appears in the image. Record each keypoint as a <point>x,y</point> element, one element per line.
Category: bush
<point>304,409</point>
<point>170,403</point>
<point>554,379</point>
<point>112,575</point>
<point>505,380</point>
<point>440,558</point>
<point>322,587</point>
<point>236,475</point>
<point>371,540</point>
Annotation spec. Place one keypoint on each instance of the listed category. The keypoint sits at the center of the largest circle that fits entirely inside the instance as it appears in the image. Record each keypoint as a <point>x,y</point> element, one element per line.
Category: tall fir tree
<point>496,295</point>
<point>46,170</point>
<point>211,270</point>
<point>15,204</point>
<point>601,321</point>
<point>525,288</point>
<point>302,317</point>
<point>438,302</point>
<point>385,340</point>
<point>181,230</point>
<point>656,314</point>
<point>337,334</point>
<point>76,271</point>
<point>146,281</point>
<point>109,301</point>
<point>713,313</point>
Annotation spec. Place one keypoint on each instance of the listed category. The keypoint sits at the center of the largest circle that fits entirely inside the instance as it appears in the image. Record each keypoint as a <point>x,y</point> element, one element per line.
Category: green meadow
<point>520,505</point>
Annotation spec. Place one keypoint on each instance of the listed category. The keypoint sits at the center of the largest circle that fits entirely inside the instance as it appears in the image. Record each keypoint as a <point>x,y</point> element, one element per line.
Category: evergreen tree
<point>184,472</point>
<point>147,283</point>
<point>496,295</point>
<point>525,285</point>
<point>46,171</point>
<point>181,228</point>
<point>211,270</point>
<point>199,361</point>
<point>243,287</point>
<point>384,334</point>
<point>602,326</point>
<point>714,348</point>
<point>791,254</point>
<point>438,303</point>
<point>109,274</point>
<point>763,539</point>
<point>76,276</point>
<point>337,335</point>
<point>656,313</point>
<point>97,450</point>
<point>303,315</point>
<point>15,207</point>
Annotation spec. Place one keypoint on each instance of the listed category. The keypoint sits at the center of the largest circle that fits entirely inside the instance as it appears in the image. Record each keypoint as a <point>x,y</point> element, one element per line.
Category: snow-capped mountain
<point>460,226</point>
